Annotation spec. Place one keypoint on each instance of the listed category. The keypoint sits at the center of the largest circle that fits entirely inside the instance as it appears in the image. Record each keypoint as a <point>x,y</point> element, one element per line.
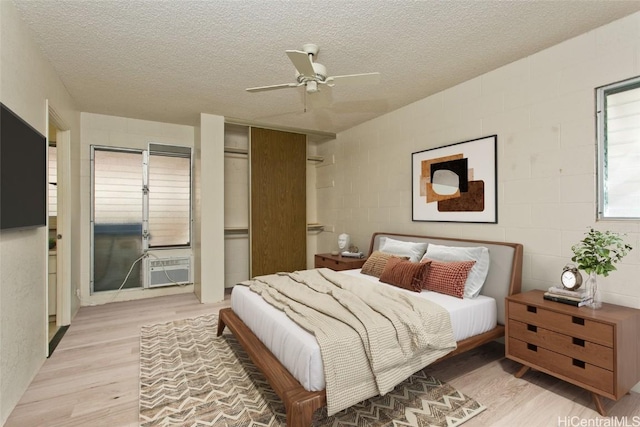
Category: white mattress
<point>298,350</point>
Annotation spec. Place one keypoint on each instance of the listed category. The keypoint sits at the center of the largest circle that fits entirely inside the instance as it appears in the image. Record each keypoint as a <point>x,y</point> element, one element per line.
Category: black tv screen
<point>23,173</point>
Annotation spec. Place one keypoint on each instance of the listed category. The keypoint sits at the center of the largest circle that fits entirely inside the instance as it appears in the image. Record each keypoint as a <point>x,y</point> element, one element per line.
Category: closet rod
<point>244,151</point>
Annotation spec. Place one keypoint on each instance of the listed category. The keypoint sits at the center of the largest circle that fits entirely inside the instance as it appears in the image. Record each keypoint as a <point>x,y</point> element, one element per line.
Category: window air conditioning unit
<point>168,271</point>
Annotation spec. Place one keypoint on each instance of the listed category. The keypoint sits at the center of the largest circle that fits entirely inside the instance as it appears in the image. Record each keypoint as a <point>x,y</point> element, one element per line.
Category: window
<point>117,219</point>
<point>117,188</point>
<point>169,196</point>
<point>618,124</point>
<point>140,199</point>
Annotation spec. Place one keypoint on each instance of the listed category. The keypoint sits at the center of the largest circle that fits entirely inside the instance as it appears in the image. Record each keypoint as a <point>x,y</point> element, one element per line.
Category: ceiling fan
<point>312,75</point>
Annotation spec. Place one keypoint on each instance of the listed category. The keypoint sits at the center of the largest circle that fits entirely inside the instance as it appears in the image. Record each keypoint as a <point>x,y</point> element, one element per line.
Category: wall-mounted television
<point>23,173</point>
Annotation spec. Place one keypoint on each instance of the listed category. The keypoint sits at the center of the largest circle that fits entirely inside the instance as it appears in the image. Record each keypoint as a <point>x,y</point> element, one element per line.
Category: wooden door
<point>278,201</point>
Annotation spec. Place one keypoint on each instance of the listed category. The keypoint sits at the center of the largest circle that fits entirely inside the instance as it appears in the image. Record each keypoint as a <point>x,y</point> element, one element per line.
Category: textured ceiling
<point>171,60</point>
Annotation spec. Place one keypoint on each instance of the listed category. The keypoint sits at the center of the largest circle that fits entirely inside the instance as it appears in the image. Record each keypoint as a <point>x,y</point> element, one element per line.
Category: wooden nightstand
<point>337,262</point>
<point>593,349</point>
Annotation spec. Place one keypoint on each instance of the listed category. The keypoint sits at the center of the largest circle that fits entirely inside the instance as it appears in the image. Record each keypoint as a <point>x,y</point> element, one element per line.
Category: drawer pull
<point>531,309</point>
<point>577,320</point>
<point>578,363</point>
<point>532,347</point>
<point>532,328</point>
<point>578,341</point>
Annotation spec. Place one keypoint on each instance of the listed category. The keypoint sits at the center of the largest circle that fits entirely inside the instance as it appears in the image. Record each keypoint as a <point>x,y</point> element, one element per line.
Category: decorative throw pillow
<point>447,277</point>
<point>404,274</point>
<point>412,250</point>
<point>478,273</point>
<point>374,265</point>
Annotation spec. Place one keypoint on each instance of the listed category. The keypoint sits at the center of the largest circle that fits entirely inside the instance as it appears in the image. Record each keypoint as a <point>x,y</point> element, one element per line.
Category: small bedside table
<point>338,262</point>
<point>593,349</point>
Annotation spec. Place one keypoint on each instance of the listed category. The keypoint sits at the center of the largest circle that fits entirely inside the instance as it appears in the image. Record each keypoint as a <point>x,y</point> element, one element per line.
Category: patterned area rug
<point>190,377</point>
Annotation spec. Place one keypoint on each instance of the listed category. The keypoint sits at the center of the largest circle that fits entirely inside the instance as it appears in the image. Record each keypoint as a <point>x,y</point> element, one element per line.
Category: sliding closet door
<point>278,201</point>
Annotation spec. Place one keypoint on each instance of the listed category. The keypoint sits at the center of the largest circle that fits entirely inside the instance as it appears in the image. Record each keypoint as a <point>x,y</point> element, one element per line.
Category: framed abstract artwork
<point>457,182</point>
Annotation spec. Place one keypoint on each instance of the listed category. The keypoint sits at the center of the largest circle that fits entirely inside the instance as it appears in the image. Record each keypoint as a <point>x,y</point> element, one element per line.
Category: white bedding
<point>298,350</point>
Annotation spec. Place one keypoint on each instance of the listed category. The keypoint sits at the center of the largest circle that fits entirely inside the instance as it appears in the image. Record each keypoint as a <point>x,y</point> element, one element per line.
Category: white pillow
<point>411,250</point>
<point>478,273</point>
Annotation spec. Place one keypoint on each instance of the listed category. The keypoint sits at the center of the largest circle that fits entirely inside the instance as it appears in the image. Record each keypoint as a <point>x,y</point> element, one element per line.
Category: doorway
<point>58,291</point>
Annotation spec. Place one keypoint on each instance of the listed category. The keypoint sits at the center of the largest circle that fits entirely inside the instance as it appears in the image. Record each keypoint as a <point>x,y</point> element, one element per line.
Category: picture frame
<point>457,182</point>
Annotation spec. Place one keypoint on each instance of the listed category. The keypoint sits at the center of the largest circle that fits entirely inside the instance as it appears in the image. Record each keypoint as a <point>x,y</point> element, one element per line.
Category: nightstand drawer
<point>334,264</point>
<point>567,345</point>
<point>572,369</point>
<point>338,263</point>
<point>575,326</point>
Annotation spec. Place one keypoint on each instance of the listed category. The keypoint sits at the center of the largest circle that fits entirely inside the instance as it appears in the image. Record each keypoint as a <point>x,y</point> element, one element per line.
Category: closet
<point>269,174</point>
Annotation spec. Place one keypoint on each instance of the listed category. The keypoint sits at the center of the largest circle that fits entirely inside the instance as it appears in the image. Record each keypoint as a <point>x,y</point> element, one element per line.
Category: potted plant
<point>596,254</point>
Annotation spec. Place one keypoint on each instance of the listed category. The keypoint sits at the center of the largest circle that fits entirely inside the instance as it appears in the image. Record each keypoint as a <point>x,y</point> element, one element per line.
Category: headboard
<point>505,268</point>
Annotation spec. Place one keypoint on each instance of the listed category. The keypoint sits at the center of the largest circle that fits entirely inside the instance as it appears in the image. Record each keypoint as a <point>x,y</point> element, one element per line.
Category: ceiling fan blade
<point>322,98</point>
<point>366,79</point>
<point>322,118</point>
<point>272,87</point>
<point>361,106</point>
<point>302,62</point>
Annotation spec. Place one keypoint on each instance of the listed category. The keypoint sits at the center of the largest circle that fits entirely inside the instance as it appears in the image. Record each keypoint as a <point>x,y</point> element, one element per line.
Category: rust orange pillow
<point>404,274</point>
<point>447,277</point>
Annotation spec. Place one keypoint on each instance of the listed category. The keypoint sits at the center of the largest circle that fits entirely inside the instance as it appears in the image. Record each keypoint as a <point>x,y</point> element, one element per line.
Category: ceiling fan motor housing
<point>320,76</point>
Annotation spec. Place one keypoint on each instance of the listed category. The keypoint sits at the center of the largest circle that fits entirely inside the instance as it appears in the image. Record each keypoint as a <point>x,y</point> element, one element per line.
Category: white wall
<point>543,110</point>
<point>112,131</point>
<point>27,80</point>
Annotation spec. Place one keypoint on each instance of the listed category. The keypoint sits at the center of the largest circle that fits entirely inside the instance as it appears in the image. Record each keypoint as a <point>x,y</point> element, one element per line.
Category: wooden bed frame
<point>300,404</point>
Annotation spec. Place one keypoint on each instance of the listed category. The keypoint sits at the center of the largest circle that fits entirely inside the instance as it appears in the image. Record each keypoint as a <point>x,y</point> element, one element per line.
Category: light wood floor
<point>92,377</point>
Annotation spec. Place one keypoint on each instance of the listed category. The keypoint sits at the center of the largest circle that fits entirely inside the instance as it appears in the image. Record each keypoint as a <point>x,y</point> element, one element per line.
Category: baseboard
<point>56,339</point>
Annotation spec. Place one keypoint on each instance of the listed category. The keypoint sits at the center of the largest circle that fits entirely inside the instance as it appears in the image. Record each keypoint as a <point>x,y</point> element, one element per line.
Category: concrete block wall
<point>543,110</point>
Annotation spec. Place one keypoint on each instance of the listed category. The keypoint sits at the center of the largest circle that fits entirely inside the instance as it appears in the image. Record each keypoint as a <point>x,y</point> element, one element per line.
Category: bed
<point>300,386</point>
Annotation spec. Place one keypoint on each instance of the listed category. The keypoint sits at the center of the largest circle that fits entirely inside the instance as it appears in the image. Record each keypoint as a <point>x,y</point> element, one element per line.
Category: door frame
<point>63,262</point>
<point>63,227</point>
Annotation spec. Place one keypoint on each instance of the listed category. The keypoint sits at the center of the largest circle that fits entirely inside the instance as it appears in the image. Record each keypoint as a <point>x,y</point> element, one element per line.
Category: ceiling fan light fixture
<point>312,86</point>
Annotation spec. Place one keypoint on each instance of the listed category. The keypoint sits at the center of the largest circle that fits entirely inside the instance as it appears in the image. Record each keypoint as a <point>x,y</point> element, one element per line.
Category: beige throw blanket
<point>371,336</point>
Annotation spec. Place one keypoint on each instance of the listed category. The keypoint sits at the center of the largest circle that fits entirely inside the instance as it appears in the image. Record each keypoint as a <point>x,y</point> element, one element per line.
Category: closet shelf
<point>315,227</point>
<point>233,150</point>
<point>232,231</point>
